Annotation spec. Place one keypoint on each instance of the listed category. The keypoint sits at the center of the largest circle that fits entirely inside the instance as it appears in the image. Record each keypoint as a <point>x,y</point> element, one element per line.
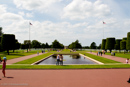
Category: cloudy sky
<point>65,20</point>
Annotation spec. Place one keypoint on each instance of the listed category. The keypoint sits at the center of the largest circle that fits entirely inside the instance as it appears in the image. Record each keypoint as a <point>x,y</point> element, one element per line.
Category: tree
<point>8,42</point>
<point>99,47</point>
<point>117,45</point>
<point>123,45</point>
<point>110,43</point>
<point>17,44</point>
<point>93,45</point>
<point>27,44</point>
<point>1,33</point>
<point>75,45</point>
<point>125,38</point>
<point>128,41</point>
<point>57,44</point>
<point>103,44</point>
<point>36,44</point>
<point>47,45</point>
<point>43,45</point>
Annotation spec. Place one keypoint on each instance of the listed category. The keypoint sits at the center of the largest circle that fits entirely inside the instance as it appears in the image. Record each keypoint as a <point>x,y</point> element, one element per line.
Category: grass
<point>126,55</point>
<point>34,59</point>
<point>100,59</point>
<point>17,54</point>
<point>67,66</point>
<point>108,64</point>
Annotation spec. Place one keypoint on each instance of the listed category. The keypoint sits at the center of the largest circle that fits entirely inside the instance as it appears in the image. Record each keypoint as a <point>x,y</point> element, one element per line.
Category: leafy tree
<point>75,45</point>
<point>43,45</point>
<point>103,44</point>
<point>27,44</point>
<point>17,44</point>
<point>110,43</point>
<point>123,45</point>
<point>1,33</point>
<point>117,45</point>
<point>99,47</point>
<point>47,45</point>
<point>93,45</point>
<point>8,42</point>
<point>56,44</point>
<point>36,44</point>
<point>23,46</point>
<point>125,38</point>
<point>128,41</point>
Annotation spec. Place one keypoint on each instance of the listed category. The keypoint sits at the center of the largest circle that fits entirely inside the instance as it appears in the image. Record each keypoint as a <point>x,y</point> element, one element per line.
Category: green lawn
<point>18,53</point>
<point>67,66</point>
<point>99,58</point>
<point>126,55</point>
<point>34,59</point>
<point>26,63</point>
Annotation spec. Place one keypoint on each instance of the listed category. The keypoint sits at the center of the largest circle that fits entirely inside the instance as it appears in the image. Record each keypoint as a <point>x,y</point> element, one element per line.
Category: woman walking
<point>4,66</point>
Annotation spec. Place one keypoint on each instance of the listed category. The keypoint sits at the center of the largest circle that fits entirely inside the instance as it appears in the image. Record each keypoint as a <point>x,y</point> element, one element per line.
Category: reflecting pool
<point>67,59</point>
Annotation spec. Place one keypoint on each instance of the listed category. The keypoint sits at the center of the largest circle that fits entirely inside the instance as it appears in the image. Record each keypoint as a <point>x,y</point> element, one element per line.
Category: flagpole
<point>29,36</point>
<point>103,31</point>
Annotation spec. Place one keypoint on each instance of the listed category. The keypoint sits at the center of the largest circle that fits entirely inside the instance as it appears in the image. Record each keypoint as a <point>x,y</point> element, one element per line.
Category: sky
<point>65,20</point>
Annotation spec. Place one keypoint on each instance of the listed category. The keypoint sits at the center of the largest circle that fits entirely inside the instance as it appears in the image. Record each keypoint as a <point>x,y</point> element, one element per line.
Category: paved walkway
<point>66,78</point>
<point>119,59</point>
<point>11,61</point>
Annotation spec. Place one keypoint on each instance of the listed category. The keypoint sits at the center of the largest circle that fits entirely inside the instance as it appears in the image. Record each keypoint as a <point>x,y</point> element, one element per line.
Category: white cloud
<point>40,5</point>
<point>2,9</point>
<point>81,9</point>
<point>21,13</point>
<point>29,15</point>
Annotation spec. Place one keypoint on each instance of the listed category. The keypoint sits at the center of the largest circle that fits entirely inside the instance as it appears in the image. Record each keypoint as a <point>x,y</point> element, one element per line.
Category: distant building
<point>65,47</point>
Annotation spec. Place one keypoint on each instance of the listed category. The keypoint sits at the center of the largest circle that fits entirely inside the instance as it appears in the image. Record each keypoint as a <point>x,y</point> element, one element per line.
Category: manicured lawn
<point>67,66</point>
<point>100,59</point>
<point>18,53</point>
<point>34,59</point>
<point>126,55</point>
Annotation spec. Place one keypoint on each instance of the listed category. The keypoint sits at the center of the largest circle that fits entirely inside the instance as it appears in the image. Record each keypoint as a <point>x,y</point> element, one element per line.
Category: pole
<point>29,35</point>
<point>103,31</point>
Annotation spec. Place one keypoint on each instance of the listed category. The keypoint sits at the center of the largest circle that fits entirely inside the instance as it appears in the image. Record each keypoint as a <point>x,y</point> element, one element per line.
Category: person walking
<point>127,60</point>
<point>4,65</point>
<point>61,59</point>
<point>58,59</point>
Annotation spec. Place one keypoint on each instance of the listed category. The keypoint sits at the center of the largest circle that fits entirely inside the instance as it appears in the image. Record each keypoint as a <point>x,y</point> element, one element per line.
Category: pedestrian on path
<point>4,65</point>
<point>127,60</point>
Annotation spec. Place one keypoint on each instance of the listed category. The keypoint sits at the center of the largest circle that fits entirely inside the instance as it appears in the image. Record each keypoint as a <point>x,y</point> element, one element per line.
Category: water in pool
<point>68,59</point>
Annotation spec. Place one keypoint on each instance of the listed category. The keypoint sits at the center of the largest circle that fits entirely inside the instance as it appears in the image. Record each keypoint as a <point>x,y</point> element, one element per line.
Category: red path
<point>66,78</point>
<point>119,59</point>
<point>11,61</point>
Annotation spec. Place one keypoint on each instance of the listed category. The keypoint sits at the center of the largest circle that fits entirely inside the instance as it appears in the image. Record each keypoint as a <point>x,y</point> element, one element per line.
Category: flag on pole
<point>104,22</point>
<point>30,23</point>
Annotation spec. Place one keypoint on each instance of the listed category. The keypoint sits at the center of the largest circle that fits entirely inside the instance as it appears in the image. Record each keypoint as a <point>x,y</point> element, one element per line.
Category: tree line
<point>117,44</point>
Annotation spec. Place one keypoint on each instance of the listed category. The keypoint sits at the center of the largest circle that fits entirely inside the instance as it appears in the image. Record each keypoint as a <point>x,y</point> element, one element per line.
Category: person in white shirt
<point>58,59</point>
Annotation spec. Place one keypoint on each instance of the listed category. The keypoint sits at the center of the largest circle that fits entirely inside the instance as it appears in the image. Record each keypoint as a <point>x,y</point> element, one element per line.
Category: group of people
<point>4,64</point>
<point>59,59</point>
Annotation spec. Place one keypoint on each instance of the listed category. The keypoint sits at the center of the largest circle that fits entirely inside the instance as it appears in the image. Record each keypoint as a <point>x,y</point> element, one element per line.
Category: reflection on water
<point>68,59</point>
